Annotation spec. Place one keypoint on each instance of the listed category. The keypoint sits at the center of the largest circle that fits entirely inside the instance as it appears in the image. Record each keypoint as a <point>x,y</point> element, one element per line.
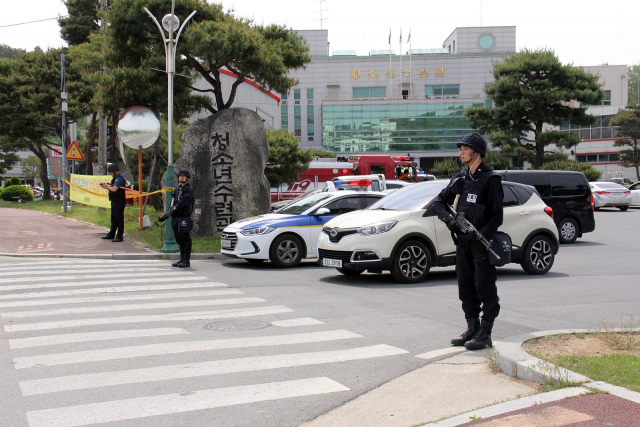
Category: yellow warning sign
<point>74,153</point>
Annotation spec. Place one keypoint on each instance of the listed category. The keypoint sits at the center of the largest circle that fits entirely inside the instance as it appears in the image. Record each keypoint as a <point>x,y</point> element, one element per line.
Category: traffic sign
<point>74,153</point>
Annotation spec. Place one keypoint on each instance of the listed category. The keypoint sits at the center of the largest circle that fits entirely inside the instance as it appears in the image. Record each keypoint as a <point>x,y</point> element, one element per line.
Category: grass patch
<point>619,369</point>
<point>152,239</point>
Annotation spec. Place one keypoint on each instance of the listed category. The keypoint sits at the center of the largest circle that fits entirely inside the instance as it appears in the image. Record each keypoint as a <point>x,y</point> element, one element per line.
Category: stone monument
<point>226,154</point>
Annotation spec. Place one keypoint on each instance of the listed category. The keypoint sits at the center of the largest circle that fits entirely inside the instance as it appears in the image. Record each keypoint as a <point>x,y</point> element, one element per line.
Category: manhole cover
<point>236,325</point>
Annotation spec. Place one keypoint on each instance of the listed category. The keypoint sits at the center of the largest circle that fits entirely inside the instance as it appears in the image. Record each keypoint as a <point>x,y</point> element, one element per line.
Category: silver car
<point>610,194</point>
<point>635,194</point>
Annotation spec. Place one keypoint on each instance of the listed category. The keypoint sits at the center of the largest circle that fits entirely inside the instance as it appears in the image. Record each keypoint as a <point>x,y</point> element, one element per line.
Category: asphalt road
<point>370,332</point>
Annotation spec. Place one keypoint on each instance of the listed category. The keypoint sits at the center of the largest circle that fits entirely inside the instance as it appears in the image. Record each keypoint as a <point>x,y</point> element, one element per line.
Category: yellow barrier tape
<point>132,196</point>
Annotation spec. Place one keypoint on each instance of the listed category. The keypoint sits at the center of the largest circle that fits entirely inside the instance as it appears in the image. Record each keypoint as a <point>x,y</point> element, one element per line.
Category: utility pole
<point>102,120</point>
<point>64,107</point>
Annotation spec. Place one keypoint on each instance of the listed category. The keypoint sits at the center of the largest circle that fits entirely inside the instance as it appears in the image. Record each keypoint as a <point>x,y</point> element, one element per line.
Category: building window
<point>369,92</point>
<point>442,91</point>
<point>607,98</point>
<point>284,117</point>
<point>283,98</point>
<point>600,129</point>
<point>297,116</point>
<point>454,46</point>
<point>296,96</point>
<point>310,117</point>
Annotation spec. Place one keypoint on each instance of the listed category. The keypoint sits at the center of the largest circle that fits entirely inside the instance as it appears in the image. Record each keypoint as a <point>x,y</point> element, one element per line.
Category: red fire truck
<point>323,170</point>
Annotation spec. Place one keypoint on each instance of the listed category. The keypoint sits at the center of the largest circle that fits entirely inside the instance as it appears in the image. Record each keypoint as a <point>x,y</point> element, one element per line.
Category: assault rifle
<point>465,226</point>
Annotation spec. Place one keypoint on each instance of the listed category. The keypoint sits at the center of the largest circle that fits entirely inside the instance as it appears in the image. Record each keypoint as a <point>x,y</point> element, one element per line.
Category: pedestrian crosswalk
<point>113,348</point>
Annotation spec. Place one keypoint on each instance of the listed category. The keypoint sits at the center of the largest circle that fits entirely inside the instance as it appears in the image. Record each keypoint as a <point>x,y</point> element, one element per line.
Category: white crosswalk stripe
<point>134,297</point>
<point>46,351</point>
<point>176,348</point>
<point>142,407</point>
<point>18,343</point>
<point>68,292</point>
<point>128,307</point>
<point>161,278</point>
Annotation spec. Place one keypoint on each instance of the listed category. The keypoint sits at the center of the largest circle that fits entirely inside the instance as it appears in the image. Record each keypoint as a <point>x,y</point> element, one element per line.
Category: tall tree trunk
<point>93,133</point>
<point>39,152</point>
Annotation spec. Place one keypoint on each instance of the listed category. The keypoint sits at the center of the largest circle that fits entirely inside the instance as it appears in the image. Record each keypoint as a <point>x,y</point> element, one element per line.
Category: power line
<point>42,20</point>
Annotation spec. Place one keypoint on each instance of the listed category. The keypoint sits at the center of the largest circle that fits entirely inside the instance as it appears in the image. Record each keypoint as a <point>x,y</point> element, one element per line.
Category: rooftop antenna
<point>321,10</point>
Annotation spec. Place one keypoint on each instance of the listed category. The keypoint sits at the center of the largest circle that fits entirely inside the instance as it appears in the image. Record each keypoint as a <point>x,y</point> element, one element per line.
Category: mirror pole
<point>140,185</point>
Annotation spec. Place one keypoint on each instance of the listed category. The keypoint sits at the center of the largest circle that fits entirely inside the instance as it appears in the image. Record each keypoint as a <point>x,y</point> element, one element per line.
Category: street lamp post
<point>170,22</point>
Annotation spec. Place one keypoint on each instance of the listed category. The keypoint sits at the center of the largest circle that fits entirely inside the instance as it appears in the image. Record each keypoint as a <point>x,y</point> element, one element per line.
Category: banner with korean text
<point>86,189</point>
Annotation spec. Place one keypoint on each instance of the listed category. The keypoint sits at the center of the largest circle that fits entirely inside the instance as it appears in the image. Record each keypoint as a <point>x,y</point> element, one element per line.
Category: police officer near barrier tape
<point>182,207</point>
<point>477,192</point>
<point>117,197</point>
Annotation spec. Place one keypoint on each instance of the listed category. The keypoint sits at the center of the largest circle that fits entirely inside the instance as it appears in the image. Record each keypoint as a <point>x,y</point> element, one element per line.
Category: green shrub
<point>446,168</point>
<point>590,172</point>
<point>14,180</point>
<point>16,191</point>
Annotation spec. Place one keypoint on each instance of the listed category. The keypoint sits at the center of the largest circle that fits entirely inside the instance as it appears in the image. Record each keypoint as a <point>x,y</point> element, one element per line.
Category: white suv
<point>402,233</point>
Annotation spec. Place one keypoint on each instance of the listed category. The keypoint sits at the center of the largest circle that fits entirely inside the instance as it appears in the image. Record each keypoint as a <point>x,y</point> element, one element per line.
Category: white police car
<point>291,234</point>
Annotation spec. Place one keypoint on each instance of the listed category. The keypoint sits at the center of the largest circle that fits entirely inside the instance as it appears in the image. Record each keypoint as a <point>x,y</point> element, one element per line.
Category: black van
<point>567,193</point>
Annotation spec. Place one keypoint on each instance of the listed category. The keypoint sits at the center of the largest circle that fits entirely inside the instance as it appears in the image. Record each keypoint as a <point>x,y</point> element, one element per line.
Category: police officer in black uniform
<point>117,197</point>
<point>478,193</point>
<point>182,206</point>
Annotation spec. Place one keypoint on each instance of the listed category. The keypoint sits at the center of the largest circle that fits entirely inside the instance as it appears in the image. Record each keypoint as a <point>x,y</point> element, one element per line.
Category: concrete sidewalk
<point>458,388</point>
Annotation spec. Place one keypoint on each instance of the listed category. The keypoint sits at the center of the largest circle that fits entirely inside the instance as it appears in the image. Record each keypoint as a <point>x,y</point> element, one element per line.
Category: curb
<point>513,360</point>
<point>121,256</point>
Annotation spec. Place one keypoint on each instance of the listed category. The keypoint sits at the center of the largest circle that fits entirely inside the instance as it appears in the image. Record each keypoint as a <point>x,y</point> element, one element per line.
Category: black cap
<point>475,141</point>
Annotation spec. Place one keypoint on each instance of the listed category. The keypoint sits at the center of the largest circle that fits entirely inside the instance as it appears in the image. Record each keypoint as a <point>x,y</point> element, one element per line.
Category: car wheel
<point>568,230</point>
<point>411,263</point>
<point>286,251</point>
<point>624,208</point>
<point>349,272</point>
<point>255,261</point>
<point>538,255</point>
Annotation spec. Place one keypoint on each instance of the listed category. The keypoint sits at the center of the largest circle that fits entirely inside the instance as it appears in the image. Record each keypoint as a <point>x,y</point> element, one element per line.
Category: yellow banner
<point>86,189</point>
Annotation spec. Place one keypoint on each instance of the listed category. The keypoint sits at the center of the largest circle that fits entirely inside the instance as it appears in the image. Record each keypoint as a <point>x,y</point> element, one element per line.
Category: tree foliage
<point>446,168</point>
<point>627,123</point>
<point>83,20</point>
<point>30,168</point>
<point>7,157</point>
<point>533,89</point>
<point>9,52</point>
<point>30,103</point>
<point>8,193</point>
<point>588,169</point>
<point>633,72</point>
<point>286,159</point>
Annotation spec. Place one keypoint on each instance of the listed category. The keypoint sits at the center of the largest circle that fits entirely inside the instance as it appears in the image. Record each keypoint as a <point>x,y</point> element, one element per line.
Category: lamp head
<point>166,22</point>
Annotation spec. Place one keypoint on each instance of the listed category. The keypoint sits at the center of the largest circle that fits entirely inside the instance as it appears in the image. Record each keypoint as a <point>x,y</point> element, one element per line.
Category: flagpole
<point>400,62</point>
<point>410,69</point>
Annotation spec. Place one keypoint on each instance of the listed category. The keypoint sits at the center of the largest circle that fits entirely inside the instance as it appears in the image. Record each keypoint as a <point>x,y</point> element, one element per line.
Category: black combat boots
<point>177,263</point>
<point>482,338</point>
<point>184,262</point>
<point>473,324</point>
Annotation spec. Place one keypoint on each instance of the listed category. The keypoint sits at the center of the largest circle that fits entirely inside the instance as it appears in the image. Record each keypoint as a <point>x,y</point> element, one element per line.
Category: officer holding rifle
<point>180,213</point>
<point>476,192</point>
<point>117,197</point>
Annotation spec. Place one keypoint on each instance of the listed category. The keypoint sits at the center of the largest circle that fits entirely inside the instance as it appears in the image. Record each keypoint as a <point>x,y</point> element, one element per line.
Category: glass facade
<point>601,129</point>
<point>401,127</point>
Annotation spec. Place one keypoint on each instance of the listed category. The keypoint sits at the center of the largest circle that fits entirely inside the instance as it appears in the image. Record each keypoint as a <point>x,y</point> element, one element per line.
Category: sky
<point>582,32</point>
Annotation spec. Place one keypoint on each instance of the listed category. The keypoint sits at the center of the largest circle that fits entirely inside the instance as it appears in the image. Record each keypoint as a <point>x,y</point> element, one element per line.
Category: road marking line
<point>88,270</point>
<point>442,353</point>
<point>131,352</point>
<point>88,276</point>
<point>68,292</point>
<point>18,343</point>
<point>201,369</point>
<point>128,307</point>
<point>101,299</point>
<point>142,407</point>
<point>104,282</point>
<point>195,315</point>
<point>302,321</point>
<point>80,262</point>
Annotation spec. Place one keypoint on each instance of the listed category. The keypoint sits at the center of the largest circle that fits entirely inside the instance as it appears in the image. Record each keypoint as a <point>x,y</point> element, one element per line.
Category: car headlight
<point>260,230</point>
<point>383,227</point>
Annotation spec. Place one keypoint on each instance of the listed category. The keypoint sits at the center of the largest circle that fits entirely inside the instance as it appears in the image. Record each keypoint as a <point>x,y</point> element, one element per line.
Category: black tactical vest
<point>119,194</point>
<point>473,197</point>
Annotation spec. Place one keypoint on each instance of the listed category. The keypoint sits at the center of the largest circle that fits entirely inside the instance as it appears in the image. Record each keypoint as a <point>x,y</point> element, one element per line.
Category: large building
<point>410,102</point>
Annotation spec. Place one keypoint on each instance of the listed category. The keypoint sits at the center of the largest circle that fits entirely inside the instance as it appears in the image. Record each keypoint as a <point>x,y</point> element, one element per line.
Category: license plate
<point>617,195</point>
<point>225,243</point>
<point>332,262</point>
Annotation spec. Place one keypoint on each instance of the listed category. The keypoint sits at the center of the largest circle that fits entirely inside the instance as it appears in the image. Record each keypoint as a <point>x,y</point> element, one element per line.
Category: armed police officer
<point>180,211</point>
<point>117,197</point>
<point>477,192</point>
